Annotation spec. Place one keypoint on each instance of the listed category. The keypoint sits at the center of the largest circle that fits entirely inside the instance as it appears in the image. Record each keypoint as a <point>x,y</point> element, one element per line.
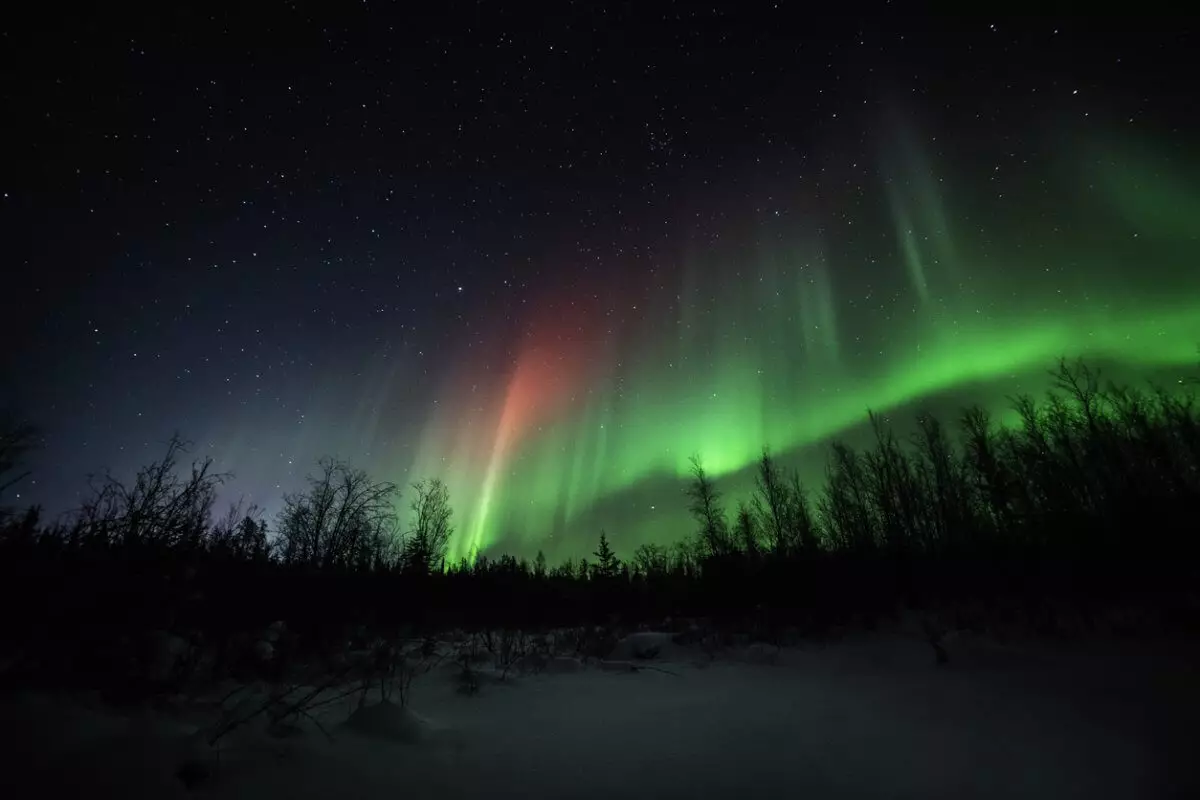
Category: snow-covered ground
<point>868,716</point>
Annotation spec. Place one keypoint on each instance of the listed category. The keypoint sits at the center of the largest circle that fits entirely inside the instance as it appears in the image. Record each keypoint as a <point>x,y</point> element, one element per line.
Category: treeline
<point>1091,500</point>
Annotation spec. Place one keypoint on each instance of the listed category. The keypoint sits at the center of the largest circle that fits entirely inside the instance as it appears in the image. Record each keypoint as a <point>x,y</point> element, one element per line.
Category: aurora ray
<point>780,349</point>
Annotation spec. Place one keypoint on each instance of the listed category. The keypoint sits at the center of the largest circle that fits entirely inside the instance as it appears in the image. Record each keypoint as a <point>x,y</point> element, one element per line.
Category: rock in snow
<point>644,646</point>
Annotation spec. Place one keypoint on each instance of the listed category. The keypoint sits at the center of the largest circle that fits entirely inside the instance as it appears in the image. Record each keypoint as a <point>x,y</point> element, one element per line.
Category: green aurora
<point>784,339</point>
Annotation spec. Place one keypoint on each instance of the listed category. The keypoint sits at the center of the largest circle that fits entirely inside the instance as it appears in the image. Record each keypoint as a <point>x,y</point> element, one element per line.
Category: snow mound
<point>386,721</point>
<point>758,653</point>
<point>645,646</point>
<point>562,665</point>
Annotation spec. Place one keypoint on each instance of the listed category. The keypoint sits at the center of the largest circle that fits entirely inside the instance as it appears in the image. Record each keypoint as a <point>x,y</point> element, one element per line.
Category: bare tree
<point>425,548</point>
<point>781,509</point>
<point>651,560</point>
<point>806,531</point>
<point>845,508</point>
<point>241,533</point>
<point>706,509</point>
<point>344,519</point>
<point>773,505</point>
<point>746,531</point>
<point>159,508</point>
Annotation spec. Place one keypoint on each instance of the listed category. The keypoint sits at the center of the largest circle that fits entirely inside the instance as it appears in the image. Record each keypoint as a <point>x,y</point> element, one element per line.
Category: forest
<point>1081,518</point>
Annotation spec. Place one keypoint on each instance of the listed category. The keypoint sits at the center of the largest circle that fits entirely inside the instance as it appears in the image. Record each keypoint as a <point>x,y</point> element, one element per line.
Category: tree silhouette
<point>651,560</point>
<point>159,508</point>
<point>706,509</point>
<point>344,519</point>
<point>746,529</point>
<point>425,547</point>
<point>1006,520</point>
<point>607,565</point>
<point>773,505</point>
<point>241,534</point>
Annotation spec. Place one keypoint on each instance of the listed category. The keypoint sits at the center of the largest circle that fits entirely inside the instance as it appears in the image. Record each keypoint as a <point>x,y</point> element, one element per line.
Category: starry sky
<point>547,253</point>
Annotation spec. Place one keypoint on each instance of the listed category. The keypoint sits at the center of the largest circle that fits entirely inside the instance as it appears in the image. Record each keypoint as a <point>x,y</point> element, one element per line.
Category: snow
<point>869,715</point>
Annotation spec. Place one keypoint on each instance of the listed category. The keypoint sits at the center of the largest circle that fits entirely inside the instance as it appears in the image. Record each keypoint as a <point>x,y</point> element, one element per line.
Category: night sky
<point>548,253</point>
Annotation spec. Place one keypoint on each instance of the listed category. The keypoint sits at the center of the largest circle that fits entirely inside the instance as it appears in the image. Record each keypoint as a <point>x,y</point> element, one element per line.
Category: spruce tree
<point>607,563</point>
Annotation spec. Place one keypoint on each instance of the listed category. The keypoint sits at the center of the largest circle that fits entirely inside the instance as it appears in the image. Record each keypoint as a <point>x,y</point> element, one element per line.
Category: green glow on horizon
<point>780,350</point>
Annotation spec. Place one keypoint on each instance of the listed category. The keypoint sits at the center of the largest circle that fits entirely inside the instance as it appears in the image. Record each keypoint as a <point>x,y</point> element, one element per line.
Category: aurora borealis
<point>549,269</point>
<point>759,354</point>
